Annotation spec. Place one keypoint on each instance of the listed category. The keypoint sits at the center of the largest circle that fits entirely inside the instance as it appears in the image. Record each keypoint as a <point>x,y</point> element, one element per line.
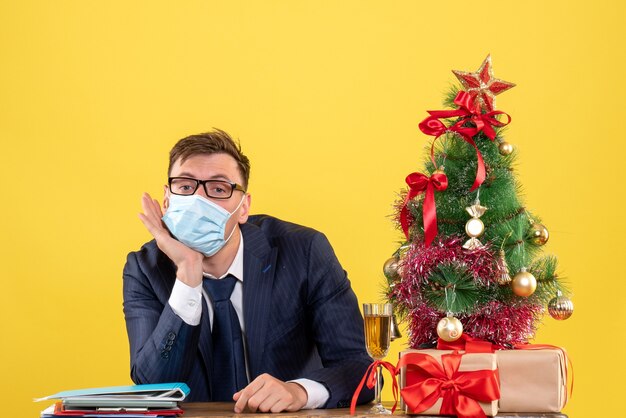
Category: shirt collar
<point>236,267</point>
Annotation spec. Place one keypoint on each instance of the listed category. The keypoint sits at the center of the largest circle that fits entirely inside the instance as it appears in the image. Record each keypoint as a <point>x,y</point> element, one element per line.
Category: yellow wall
<point>325,97</point>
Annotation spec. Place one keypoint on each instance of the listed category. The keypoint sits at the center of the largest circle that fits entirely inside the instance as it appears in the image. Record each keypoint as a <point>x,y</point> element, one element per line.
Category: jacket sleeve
<point>337,326</point>
<point>162,346</point>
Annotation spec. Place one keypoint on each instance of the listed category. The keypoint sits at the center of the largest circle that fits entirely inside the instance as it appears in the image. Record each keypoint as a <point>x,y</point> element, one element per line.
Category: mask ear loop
<point>231,214</point>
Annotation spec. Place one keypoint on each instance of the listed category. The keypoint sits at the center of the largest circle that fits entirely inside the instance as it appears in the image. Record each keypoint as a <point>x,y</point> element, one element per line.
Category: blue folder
<point>148,395</point>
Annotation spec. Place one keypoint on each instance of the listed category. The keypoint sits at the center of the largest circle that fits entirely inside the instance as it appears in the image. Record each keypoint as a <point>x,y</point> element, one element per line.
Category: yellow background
<point>325,97</point>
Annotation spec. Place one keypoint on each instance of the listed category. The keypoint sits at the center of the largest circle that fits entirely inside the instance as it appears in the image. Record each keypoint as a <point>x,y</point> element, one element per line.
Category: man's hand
<point>188,261</point>
<point>268,394</point>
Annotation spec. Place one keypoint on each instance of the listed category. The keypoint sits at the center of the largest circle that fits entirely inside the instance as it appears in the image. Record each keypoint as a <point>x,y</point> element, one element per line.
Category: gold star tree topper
<point>482,85</point>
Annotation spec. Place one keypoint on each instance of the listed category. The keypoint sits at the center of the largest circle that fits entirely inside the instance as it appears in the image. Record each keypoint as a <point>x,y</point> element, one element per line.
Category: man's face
<point>214,167</point>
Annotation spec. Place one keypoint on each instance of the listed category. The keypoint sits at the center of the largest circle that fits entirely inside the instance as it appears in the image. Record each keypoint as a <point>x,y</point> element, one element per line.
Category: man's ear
<point>166,197</point>
<point>244,211</point>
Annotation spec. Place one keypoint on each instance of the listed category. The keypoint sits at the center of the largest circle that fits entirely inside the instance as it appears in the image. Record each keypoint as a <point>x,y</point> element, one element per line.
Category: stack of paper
<point>137,401</point>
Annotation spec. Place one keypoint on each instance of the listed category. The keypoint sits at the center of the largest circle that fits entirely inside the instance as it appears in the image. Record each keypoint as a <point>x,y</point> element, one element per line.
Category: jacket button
<point>171,336</point>
<point>165,354</point>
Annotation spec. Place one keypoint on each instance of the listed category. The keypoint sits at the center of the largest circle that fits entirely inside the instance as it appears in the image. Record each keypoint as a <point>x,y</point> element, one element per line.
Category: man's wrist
<point>316,393</point>
<point>190,272</point>
<point>300,394</point>
<point>186,302</point>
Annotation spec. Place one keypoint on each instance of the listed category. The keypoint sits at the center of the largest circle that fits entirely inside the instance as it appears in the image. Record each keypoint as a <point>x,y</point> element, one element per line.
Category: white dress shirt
<point>186,302</point>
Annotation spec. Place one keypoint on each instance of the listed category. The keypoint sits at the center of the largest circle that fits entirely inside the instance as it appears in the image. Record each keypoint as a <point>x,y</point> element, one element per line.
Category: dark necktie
<point>228,374</point>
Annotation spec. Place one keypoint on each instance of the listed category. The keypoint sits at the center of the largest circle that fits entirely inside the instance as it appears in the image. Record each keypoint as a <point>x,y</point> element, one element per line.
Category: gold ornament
<point>449,328</point>
<point>505,148</point>
<point>524,283</point>
<point>404,248</point>
<point>395,329</point>
<point>504,276</point>
<point>390,268</point>
<point>560,307</point>
<point>538,233</point>
<point>474,227</point>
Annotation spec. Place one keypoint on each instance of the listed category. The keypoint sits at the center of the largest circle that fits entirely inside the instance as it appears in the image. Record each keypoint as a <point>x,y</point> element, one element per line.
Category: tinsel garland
<point>503,323</point>
<point>420,260</point>
<point>497,322</point>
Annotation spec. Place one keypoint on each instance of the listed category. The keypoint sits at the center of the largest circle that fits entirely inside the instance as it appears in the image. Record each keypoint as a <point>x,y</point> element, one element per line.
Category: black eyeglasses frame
<point>234,186</point>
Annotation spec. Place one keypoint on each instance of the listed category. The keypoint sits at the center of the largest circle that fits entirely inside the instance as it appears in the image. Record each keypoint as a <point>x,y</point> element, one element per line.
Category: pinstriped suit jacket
<point>301,316</point>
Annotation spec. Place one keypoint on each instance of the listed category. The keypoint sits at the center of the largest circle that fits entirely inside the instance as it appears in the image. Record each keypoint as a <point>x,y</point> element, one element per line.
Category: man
<point>283,333</point>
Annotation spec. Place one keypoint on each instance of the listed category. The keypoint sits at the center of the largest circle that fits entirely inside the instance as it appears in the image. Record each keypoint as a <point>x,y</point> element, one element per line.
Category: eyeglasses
<point>216,189</point>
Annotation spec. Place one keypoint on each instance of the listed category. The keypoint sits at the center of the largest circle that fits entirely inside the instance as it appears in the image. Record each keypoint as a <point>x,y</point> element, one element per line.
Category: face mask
<point>198,223</point>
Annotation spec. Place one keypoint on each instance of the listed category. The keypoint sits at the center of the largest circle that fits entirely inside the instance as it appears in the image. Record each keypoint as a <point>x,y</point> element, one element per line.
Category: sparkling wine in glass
<point>377,317</point>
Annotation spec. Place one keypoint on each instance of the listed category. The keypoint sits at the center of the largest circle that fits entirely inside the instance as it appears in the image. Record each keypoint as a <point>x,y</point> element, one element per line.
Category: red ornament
<point>482,85</point>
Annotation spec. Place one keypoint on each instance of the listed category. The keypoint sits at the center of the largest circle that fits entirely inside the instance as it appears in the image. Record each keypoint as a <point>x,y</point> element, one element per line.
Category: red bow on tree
<point>469,112</point>
<point>418,183</point>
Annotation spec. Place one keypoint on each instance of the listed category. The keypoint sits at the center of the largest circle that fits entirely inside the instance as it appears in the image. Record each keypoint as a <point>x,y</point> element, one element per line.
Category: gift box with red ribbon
<point>447,382</point>
<point>532,379</point>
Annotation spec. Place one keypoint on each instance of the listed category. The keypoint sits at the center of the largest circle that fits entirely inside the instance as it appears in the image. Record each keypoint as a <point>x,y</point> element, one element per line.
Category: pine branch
<point>451,287</point>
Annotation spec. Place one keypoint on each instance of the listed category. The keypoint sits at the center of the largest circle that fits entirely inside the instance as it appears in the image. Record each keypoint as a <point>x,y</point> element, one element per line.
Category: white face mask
<point>198,223</point>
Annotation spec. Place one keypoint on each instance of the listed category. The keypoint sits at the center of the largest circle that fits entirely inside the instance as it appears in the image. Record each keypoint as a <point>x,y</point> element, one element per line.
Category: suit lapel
<point>259,265</point>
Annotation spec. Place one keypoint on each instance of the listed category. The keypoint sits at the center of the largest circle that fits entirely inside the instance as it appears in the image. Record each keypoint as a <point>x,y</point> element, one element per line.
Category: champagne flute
<point>377,317</point>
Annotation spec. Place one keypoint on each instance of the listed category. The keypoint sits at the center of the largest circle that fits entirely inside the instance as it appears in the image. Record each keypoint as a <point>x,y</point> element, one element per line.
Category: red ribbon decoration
<point>461,391</point>
<point>469,344</point>
<point>370,379</point>
<point>419,183</point>
<point>476,345</point>
<point>484,122</point>
<point>468,111</point>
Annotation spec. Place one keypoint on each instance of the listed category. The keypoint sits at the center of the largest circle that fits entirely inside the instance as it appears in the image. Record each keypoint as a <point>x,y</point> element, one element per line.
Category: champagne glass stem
<point>377,390</point>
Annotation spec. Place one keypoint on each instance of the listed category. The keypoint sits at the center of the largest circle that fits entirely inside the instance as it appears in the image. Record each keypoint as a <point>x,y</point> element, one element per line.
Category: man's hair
<point>214,142</point>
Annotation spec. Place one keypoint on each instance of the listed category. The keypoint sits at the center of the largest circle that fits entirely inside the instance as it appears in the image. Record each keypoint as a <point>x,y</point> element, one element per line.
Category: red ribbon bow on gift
<point>468,111</point>
<point>369,379</point>
<point>475,345</point>
<point>419,183</point>
<point>460,391</point>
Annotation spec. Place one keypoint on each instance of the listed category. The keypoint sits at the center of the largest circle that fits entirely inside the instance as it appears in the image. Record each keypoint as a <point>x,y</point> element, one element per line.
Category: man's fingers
<point>280,406</point>
<point>147,222</point>
<point>151,207</point>
<point>155,230</point>
<point>246,393</point>
<point>148,211</point>
<point>268,394</point>
<point>258,399</point>
<point>157,208</point>
<point>275,401</point>
<point>152,215</point>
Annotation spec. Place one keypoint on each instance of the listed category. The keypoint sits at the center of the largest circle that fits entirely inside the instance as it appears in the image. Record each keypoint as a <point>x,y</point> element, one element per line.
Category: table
<point>225,409</point>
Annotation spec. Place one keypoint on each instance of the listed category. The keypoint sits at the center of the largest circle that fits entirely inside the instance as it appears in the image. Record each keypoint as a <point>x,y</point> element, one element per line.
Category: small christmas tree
<point>471,262</point>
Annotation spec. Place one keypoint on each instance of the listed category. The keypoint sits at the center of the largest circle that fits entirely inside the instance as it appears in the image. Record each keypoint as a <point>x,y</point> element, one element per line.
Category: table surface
<point>225,409</point>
